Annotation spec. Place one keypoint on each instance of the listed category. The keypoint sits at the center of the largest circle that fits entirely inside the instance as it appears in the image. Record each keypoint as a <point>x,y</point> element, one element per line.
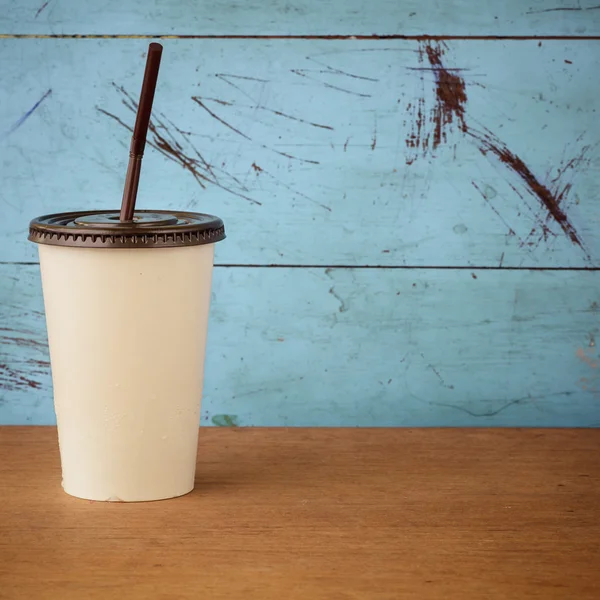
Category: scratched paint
<point>571,7</point>
<point>176,145</point>
<point>404,351</point>
<point>32,369</point>
<point>41,9</point>
<point>304,17</point>
<point>448,112</point>
<point>342,199</point>
<point>336,148</point>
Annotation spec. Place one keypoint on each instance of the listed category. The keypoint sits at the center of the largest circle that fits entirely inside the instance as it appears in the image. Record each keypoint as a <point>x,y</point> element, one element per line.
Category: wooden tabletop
<point>317,514</point>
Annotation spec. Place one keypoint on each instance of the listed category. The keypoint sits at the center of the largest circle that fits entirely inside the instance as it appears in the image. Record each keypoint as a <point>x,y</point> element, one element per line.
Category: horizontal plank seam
<point>333,37</point>
<point>364,267</point>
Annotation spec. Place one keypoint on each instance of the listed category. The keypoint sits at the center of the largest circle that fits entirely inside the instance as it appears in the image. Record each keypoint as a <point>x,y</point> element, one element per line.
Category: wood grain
<point>366,347</point>
<point>303,147</point>
<point>302,17</point>
<point>373,514</point>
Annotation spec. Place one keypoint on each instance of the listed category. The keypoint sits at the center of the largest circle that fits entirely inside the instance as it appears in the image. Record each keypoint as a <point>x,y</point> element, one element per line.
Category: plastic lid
<point>149,229</point>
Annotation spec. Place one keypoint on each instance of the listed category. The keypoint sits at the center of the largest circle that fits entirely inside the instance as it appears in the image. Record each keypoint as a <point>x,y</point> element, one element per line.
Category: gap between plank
<point>334,37</point>
<point>365,267</point>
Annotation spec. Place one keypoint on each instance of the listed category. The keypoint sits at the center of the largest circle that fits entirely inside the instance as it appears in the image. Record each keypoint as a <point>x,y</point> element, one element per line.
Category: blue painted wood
<point>363,347</point>
<point>301,17</point>
<point>303,147</point>
<point>319,152</point>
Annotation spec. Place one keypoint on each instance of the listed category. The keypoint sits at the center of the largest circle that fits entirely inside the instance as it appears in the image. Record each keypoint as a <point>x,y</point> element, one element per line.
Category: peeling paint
<point>225,421</point>
<point>588,360</point>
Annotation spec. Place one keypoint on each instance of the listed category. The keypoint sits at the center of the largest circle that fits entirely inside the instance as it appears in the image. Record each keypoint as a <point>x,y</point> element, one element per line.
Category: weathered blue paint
<point>363,347</point>
<point>301,146</point>
<point>334,157</point>
<point>301,17</point>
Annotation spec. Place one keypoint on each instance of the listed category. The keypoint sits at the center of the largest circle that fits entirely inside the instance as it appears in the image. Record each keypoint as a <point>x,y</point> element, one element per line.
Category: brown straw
<point>138,141</point>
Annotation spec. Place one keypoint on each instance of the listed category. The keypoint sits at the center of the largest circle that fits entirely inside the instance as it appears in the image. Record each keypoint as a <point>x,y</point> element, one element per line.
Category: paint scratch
<point>334,71</point>
<point>175,145</point>
<point>550,199</point>
<point>227,76</point>
<point>263,108</point>
<point>41,8</point>
<point>490,413</point>
<point>17,374</point>
<point>290,188</point>
<point>26,116</point>
<point>198,101</point>
<point>563,9</point>
<point>448,111</point>
<point>23,342</point>
<point>436,373</point>
<point>342,308</point>
<point>374,141</point>
<point>303,73</point>
<point>12,379</point>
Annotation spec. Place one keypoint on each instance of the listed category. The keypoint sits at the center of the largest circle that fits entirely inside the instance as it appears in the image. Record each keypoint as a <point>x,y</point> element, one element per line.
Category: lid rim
<point>191,229</point>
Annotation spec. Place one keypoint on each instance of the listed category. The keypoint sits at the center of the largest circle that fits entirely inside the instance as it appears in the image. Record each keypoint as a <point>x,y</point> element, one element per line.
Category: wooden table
<point>318,513</point>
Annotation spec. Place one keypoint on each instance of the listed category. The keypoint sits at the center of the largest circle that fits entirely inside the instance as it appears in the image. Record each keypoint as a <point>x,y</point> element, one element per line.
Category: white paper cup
<point>127,335</point>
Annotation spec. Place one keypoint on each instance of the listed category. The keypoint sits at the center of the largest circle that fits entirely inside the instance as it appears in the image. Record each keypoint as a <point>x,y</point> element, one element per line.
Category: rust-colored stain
<point>551,199</point>
<point>451,96</point>
<point>431,129</point>
<point>23,373</point>
<point>11,379</point>
<point>588,360</point>
<point>44,364</point>
<point>22,342</point>
<point>18,376</point>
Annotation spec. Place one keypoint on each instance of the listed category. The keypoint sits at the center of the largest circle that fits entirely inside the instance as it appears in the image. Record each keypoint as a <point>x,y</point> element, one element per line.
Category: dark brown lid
<point>149,229</point>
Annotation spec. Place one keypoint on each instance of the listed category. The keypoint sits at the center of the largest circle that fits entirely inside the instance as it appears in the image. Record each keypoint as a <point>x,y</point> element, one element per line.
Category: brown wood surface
<point>311,514</point>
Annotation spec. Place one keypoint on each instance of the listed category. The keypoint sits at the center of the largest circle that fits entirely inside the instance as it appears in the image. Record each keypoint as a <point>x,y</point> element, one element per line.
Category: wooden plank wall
<point>410,191</point>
